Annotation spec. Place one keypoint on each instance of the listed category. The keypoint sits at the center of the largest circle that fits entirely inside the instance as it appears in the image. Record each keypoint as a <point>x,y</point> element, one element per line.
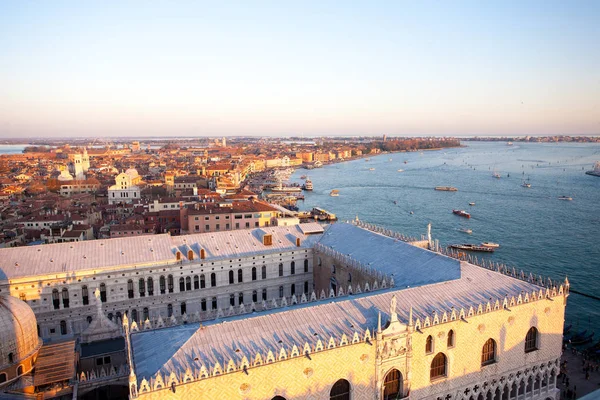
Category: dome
<point>132,172</point>
<point>18,331</point>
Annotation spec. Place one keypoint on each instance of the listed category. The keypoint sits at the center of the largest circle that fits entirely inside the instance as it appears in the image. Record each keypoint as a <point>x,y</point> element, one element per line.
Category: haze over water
<point>536,231</point>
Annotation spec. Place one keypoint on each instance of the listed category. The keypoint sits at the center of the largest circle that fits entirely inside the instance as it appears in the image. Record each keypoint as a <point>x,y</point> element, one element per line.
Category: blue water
<point>537,232</point>
<point>12,148</point>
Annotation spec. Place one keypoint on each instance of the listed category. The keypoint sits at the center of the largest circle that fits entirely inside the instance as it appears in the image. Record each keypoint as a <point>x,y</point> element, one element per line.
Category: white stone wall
<point>38,290</point>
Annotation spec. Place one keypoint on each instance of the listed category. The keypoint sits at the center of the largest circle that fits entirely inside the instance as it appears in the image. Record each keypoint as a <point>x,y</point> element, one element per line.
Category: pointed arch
<point>392,385</point>
<point>340,390</point>
<point>438,366</point>
<point>488,352</point>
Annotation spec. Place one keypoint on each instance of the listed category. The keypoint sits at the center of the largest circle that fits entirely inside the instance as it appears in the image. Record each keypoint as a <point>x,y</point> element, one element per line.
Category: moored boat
<point>595,171</point>
<point>466,230</point>
<point>462,213</point>
<point>472,247</point>
<point>446,189</point>
<point>472,203</point>
<point>308,186</point>
<point>567,198</point>
<point>334,193</point>
<point>490,244</point>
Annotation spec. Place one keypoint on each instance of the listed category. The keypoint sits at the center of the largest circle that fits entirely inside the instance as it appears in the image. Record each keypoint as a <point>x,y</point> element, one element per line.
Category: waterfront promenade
<point>575,372</point>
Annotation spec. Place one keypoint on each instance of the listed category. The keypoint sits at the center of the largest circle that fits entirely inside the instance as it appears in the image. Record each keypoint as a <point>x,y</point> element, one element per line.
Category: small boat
<point>303,177</point>
<point>490,244</point>
<point>595,171</point>
<point>472,247</point>
<point>462,213</point>
<point>496,175</point>
<point>568,198</point>
<point>371,169</point>
<point>308,186</point>
<point>567,329</point>
<point>526,184</point>
<point>472,203</point>
<point>405,162</point>
<point>400,170</point>
<point>582,340</point>
<point>446,188</point>
<point>466,230</point>
<point>334,193</point>
<point>395,202</point>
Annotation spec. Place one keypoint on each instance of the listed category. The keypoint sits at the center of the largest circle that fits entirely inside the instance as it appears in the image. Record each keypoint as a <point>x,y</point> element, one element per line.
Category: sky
<point>303,68</point>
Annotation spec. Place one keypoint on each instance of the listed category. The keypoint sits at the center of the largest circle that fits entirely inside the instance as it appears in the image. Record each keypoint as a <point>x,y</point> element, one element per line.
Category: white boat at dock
<point>490,244</point>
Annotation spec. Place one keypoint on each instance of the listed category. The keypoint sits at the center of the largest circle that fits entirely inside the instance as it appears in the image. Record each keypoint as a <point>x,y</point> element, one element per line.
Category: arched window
<point>231,280</point>
<point>333,269</point>
<point>253,273</point>
<point>178,256</point>
<point>278,398</point>
<point>20,370</point>
<point>280,269</point>
<point>203,304</point>
<point>145,314</point>
<point>169,310</point>
<point>531,340</point>
<point>84,295</point>
<point>65,297</point>
<point>280,291</point>
<point>232,299</point>
<point>293,268</point>
<point>170,283</point>
<point>263,272</point>
<point>118,317</point>
<point>340,390</point>
<point>451,338</point>
<point>240,276</point>
<point>63,327</point>
<point>134,316</point>
<point>89,319</point>
<point>306,265</point>
<point>196,282</point>
<point>142,287</point>
<point>429,345</point>
<point>392,385</point>
<point>306,287</point>
<point>150,286</point>
<point>293,289</point>
<point>202,281</point>
<point>188,283</point>
<point>103,292</point>
<point>254,296</point>
<point>2,377</point>
<point>110,316</point>
<point>10,358</point>
<point>55,299</point>
<point>130,289</point>
<point>240,299</point>
<point>162,284</point>
<point>488,353</point>
<point>264,294</point>
<point>438,366</point>
<point>181,284</point>
<point>183,308</point>
<point>214,303</point>
<point>319,262</point>
<point>190,255</point>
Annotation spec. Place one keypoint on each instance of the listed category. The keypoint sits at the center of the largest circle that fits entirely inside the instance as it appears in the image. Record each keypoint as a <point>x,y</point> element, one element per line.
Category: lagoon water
<point>536,231</point>
<point>12,148</point>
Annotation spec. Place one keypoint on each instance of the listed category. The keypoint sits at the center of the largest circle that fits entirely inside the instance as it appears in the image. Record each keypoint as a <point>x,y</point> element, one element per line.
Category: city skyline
<point>310,69</point>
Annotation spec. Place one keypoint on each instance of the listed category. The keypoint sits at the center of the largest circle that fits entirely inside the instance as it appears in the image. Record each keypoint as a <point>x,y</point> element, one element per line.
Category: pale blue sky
<point>91,68</point>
